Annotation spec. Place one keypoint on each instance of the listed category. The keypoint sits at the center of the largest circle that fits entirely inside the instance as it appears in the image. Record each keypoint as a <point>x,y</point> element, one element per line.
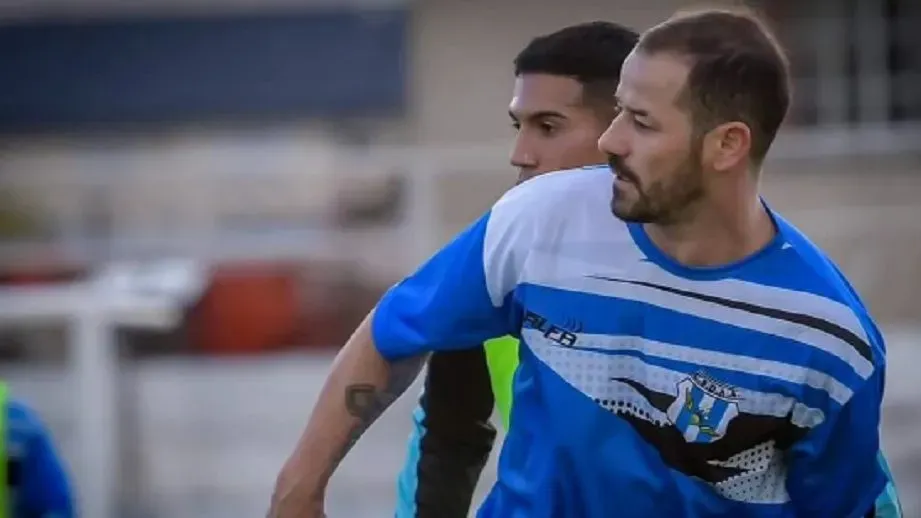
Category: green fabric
<point>502,360</point>
<point>4,486</point>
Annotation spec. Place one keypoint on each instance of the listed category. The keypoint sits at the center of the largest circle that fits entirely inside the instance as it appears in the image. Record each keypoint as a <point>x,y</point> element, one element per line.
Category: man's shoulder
<point>825,297</point>
<point>548,199</point>
<point>23,419</point>
<point>23,427</point>
<point>543,194</point>
<point>819,272</point>
<point>19,413</point>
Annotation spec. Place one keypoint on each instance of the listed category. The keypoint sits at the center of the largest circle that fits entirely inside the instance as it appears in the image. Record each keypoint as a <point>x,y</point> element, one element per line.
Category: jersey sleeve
<point>462,296</point>
<point>835,469</point>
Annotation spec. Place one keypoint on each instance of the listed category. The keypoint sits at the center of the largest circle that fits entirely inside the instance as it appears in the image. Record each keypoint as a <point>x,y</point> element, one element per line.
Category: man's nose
<point>522,157</point>
<point>614,139</point>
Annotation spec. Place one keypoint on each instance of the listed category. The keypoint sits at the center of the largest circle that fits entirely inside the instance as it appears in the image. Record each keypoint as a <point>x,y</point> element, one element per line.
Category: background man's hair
<point>591,53</point>
<point>738,71</point>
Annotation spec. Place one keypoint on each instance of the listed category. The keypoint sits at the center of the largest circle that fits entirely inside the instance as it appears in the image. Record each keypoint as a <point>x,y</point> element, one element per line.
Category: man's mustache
<point>617,165</point>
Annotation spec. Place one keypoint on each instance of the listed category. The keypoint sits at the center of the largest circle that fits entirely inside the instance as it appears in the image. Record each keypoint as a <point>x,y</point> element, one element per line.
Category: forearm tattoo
<point>367,402</point>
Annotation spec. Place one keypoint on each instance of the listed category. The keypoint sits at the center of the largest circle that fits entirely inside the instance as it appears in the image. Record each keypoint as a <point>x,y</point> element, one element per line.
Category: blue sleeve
<point>45,491</point>
<point>460,297</point>
<point>835,469</point>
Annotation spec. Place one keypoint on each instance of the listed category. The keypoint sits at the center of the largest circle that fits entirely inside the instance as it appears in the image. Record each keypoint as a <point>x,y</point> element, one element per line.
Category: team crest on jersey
<point>703,408</point>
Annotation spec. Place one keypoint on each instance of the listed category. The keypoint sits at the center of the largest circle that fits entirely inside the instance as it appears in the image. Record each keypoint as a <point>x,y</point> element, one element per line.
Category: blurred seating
<point>251,308</point>
<point>247,308</point>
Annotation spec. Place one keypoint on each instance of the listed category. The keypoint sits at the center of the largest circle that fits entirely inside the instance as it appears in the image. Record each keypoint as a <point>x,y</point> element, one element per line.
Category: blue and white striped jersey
<point>647,388</point>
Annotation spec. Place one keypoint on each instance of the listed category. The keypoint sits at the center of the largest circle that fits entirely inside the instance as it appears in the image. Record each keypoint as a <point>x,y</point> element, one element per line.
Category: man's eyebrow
<point>542,114</point>
<point>635,111</point>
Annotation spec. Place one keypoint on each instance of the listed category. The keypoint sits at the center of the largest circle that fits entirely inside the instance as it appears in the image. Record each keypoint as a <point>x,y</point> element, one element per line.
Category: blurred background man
<point>33,482</point>
<point>201,131</point>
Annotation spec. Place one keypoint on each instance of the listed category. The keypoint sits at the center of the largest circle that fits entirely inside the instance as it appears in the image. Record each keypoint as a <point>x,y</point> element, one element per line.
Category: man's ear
<point>727,145</point>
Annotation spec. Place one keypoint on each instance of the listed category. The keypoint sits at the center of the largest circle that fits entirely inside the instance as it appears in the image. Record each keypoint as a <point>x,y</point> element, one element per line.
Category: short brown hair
<point>738,71</point>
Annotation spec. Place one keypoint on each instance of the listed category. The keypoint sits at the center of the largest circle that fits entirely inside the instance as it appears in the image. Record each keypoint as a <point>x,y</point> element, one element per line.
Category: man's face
<point>555,128</point>
<point>650,143</point>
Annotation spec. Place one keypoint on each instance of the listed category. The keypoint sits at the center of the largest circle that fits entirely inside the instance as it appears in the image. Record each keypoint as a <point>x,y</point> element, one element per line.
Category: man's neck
<point>716,236</point>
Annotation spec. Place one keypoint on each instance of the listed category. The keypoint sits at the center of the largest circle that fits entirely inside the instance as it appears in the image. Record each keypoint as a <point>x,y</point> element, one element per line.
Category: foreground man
<point>693,355</point>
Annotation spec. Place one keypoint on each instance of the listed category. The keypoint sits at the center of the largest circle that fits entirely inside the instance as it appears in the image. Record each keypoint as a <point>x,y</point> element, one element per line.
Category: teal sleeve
<point>888,504</point>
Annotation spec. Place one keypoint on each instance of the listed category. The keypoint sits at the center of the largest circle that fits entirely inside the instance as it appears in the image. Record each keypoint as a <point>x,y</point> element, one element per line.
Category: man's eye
<point>641,125</point>
<point>547,129</point>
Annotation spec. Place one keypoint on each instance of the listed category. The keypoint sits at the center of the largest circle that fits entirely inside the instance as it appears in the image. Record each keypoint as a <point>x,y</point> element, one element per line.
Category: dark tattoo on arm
<point>367,402</point>
<point>362,400</point>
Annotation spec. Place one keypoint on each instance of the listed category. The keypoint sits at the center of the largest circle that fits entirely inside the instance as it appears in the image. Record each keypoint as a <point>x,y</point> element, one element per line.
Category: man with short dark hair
<point>561,103</point>
<point>33,483</point>
<point>693,355</point>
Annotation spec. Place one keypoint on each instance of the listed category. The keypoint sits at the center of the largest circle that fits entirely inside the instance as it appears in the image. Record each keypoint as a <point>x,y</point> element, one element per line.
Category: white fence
<point>216,197</point>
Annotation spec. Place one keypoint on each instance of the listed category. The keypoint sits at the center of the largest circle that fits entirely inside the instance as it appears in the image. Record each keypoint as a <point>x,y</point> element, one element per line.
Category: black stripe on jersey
<point>862,347</point>
<point>745,432</point>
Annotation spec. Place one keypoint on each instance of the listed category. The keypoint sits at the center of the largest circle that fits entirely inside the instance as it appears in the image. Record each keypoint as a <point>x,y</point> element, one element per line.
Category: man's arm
<point>461,296</point>
<point>452,437</point>
<point>834,469</point>
<point>361,385</point>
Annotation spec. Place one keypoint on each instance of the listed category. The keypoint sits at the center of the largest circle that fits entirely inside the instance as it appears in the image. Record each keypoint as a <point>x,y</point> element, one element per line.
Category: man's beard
<point>661,202</point>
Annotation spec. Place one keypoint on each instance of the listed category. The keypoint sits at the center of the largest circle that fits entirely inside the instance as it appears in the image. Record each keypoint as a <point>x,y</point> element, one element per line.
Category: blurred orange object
<point>247,308</point>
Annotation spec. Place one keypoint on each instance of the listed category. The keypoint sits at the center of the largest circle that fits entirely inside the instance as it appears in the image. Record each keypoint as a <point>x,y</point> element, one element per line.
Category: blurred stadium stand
<point>304,184</point>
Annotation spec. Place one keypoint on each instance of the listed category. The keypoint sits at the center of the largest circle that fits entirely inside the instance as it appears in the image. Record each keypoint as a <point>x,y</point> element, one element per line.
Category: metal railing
<point>239,202</point>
